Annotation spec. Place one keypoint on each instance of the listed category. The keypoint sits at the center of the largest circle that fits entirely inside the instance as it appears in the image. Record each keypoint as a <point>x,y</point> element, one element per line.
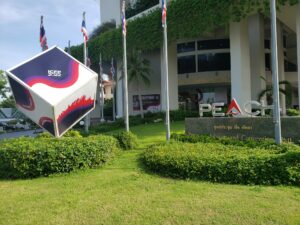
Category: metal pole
<point>125,72</point>
<point>101,90</point>
<point>86,125</point>
<point>166,80</point>
<point>113,90</point>
<point>276,102</point>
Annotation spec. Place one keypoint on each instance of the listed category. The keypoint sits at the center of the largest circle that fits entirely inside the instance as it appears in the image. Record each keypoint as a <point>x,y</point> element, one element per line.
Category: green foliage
<point>175,115</point>
<point>217,162</point>
<point>139,6</point>
<point>263,143</point>
<point>8,102</point>
<point>186,20</point>
<point>127,140</point>
<point>293,112</point>
<point>287,91</point>
<point>34,157</point>
<point>3,85</point>
<point>104,27</point>
<point>70,133</point>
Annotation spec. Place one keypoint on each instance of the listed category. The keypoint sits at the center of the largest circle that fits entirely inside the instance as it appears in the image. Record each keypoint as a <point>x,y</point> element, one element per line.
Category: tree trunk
<point>140,102</point>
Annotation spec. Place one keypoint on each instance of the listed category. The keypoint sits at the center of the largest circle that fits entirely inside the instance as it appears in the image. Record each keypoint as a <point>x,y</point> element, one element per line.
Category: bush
<point>34,157</point>
<point>293,112</point>
<point>225,163</point>
<point>263,143</point>
<point>70,133</point>
<point>127,140</point>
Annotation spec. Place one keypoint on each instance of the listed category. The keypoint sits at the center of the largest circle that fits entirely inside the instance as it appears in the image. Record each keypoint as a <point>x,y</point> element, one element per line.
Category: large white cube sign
<point>54,90</point>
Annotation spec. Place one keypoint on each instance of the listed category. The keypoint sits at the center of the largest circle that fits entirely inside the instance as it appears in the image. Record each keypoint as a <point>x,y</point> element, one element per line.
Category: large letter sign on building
<point>54,90</point>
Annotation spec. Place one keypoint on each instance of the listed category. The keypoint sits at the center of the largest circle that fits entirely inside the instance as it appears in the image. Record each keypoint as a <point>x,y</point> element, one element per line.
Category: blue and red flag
<point>43,39</point>
<point>84,30</point>
<point>124,28</point>
<point>164,13</point>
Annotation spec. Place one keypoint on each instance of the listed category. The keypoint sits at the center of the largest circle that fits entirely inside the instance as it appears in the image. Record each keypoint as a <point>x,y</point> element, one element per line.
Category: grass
<point>123,193</point>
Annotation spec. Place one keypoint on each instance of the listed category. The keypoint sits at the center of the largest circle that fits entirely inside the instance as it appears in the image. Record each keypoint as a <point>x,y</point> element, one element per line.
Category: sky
<point>20,26</point>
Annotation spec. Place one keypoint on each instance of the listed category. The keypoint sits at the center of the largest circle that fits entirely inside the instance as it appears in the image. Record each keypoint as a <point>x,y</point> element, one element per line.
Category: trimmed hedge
<point>175,115</point>
<point>217,162</point>
<point>264,143</point>
<point>127,140</point>
<point>34,157</point>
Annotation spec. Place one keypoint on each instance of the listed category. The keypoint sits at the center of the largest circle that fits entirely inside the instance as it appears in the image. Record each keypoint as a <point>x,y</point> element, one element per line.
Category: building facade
<point>231,62</point>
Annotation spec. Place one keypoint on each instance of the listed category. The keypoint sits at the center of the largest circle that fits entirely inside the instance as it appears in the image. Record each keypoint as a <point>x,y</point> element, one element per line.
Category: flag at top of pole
<point>164,13</point>
<point>124,28</point>
<point>83,28</point>
<point>43,39</point>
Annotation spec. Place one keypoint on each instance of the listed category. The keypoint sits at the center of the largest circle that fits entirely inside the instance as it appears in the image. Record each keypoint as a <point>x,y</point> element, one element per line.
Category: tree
<point>138,72</point>
<point>3,85</point>
<point>104,27</point>
<point>268,92</point>
<point>8,103</point>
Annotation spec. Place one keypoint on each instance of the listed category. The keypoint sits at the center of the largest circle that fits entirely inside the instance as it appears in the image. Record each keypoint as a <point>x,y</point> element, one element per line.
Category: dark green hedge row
<point>34,157</point>
<point>264,143</point>
<point>175,115</point>
<point>127,140</point>
<point>225,163</point>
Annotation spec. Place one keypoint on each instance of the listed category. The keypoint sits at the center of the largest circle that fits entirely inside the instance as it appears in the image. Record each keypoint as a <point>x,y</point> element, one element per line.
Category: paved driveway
<point>29,133</point>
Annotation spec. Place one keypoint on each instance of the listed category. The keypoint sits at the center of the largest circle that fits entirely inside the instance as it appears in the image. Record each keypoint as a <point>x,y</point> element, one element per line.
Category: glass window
<point>186,64</point>
<point>214,44</point>
<point>268,61</point>
<point>289,66</point>
<point>186,47</point>
<point>213,62</point>
<point>267,44</point>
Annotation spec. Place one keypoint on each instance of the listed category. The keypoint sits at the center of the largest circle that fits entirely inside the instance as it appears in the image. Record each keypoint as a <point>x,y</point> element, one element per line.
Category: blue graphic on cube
<point>54,90</point>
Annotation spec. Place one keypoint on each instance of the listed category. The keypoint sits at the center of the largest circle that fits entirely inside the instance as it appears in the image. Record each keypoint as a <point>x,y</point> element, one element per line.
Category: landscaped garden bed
<point>34,157</point>
<point>226,160</point>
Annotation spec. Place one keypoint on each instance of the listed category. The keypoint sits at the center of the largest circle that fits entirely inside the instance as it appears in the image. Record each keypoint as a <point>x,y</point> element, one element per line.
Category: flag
<point>83,29</point>
<point>124,29</point>
<point>112,69</point>
<point>164,13</point>
<point>43,39</point>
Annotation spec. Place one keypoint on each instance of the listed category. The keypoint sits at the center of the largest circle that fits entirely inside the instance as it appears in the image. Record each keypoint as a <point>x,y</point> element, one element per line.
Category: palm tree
<point>268,92</point>
<point>139,72</point>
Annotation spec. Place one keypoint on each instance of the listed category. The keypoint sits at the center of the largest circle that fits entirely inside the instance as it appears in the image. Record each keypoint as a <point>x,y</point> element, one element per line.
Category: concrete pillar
<point>240,62</point>
<point>281,73</point>
<point>173,78</point>
<point>257,55</point>
<point>298,49</point>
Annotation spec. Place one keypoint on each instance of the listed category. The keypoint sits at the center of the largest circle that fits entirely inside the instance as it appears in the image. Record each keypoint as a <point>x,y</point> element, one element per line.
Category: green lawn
<point>123,193</point>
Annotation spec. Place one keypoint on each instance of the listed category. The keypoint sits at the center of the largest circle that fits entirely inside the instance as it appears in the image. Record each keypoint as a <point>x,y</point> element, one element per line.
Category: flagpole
<point>276,103</point>
<point>101,89</point>
<point>86,125</point>
<point>165,48</point>
<point>113,90</point>
<point>125,70</point>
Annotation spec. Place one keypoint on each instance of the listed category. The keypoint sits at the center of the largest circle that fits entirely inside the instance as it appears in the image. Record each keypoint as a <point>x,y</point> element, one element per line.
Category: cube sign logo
<point>54,90</point>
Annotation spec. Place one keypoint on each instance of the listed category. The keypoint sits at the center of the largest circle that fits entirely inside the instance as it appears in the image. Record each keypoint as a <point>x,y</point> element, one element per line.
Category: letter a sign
<point>234,108</point>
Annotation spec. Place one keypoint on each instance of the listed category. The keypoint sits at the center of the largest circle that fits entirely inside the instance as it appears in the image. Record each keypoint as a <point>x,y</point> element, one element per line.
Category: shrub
<point>34,157</point>
<point>293,112</point>
<point>225,163</point>
<point>127,140</point>
<point>70,133</point>
<point>264,143</point>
